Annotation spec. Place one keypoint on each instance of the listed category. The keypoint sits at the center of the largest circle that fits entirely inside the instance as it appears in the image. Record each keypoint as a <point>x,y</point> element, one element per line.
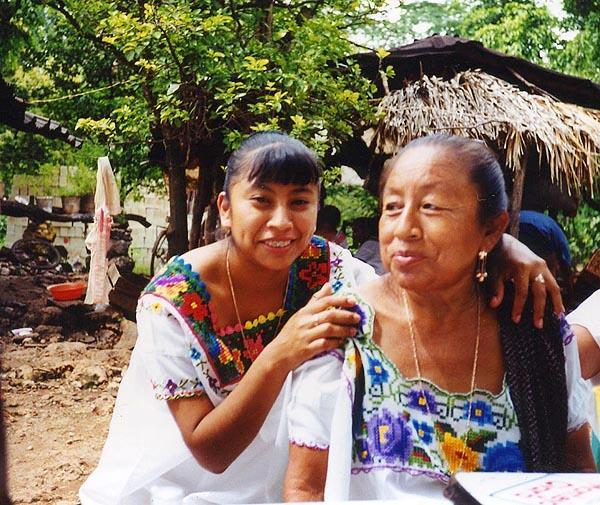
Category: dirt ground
<point>58,386</point>
<point>58,402</point>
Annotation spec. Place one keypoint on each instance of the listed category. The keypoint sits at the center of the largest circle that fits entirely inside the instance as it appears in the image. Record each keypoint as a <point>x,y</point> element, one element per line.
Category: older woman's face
<point>429,230</point>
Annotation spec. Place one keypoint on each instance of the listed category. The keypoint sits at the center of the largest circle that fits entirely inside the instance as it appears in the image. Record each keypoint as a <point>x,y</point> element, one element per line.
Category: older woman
<point>436,381</point>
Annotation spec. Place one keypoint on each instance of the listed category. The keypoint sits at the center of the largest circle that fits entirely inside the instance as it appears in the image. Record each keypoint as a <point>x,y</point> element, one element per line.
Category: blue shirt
<point>548,230</point>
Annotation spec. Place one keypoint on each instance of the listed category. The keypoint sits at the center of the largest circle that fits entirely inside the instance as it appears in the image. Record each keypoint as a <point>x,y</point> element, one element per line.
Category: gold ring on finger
<point>539,278</point>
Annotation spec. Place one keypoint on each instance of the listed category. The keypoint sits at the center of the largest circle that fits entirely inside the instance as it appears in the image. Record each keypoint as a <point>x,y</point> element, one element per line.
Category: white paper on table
<point>503,488</point>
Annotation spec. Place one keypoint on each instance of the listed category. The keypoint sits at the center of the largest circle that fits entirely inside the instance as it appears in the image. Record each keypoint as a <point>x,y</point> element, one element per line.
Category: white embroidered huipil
<point>179,353</point>
<point>400,437</point>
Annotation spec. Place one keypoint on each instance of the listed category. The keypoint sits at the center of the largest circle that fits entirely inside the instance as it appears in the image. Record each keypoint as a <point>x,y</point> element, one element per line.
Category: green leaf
<point>382,53</point>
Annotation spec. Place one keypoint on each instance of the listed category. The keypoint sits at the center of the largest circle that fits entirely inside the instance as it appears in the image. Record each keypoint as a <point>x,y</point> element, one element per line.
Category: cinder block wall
<point>153,207</point>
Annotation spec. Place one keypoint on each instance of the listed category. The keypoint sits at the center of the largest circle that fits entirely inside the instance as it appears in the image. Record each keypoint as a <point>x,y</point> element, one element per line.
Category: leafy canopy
<point>208,70</point>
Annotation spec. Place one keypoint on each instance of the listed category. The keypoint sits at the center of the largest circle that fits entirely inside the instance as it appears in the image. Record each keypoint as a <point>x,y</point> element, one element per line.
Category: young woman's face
<point>271,224</point>
<point>430,232</point>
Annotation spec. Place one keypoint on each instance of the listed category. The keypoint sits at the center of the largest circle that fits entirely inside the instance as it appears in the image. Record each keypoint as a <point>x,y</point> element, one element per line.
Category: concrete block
<point>137,234</point>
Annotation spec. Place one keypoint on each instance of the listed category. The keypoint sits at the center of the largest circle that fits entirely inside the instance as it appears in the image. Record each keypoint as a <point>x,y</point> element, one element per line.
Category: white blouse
<point>405,435</point>
<point>587,314</point>
<point>180,353</point>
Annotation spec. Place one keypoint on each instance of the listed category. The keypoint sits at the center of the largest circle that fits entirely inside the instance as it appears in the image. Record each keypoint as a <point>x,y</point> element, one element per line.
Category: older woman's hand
<point>519,264</point>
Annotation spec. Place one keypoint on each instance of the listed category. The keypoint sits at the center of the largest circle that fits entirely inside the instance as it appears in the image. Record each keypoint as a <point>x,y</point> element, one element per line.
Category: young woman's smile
<point>271,223</point>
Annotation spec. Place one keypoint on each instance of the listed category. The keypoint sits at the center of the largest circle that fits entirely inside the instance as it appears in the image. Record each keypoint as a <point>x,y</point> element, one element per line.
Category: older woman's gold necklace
<point>235,305</point>
<point>412,332</point>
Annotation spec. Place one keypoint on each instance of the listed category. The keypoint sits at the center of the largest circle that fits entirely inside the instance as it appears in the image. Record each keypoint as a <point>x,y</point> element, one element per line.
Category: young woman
<point>436,381</point>
<point>202,402</point>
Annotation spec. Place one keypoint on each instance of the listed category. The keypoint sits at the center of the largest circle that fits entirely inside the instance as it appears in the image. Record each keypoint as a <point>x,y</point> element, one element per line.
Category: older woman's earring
<point>480,271</point>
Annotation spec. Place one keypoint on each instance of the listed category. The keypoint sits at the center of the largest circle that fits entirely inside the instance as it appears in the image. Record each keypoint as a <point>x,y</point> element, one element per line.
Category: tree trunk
<point>177,231</point>
<point>211,156</point>
<point>517,195</point>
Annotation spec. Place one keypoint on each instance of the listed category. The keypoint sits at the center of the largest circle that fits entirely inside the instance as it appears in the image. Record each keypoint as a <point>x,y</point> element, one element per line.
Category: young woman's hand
<point>527,270</point>
<point>322,324</point>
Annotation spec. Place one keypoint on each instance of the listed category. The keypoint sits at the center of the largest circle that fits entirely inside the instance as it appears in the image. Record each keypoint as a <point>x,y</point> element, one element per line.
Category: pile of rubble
<point>30,317</point>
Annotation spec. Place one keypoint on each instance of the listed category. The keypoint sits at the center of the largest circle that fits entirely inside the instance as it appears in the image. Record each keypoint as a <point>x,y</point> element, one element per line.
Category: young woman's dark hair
<point>273,157</point>
<point>481,161</point>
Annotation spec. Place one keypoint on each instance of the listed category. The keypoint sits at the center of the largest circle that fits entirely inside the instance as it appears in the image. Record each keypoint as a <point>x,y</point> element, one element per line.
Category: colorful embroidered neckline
<point>228,353</point>
<point>393,428</point>
<point>376,349</point>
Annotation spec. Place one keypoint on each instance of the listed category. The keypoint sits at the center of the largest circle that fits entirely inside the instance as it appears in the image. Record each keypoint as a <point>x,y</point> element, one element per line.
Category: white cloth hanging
<point>107,204</point>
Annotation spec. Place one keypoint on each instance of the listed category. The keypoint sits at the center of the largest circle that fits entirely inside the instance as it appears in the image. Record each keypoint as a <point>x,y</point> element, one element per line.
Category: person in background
<point>329,219</point>
<point>436,381</point>
<point>366,242</point>
<point>544,236</point>
<point>585,321</point>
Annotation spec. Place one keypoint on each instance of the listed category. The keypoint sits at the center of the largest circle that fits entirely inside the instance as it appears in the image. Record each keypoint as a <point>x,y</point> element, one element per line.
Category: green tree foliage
<point>2,230</point>
<point>402,22</point>
<point>582,52</point>
<point>518,27</point>
<point>584,234</point>
<point>194,77</point>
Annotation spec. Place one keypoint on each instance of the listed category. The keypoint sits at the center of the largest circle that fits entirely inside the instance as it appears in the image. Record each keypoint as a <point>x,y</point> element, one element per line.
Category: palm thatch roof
<point>478,105</point>
<point>443,56</point>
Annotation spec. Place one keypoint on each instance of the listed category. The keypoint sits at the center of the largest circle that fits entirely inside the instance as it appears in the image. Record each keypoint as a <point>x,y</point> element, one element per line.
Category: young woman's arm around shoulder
<point>578,450</point>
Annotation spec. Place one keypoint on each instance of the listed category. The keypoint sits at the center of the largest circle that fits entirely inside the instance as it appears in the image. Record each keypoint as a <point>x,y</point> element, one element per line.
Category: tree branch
<point>60,7</point>
<point>182,74</point>
<point>236,18</point>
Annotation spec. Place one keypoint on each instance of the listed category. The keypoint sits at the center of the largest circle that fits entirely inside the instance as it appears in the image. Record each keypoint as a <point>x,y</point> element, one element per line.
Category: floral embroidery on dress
<point>229,352</point>
<point>183,388</point>
<point>566,332</point>
<point>418,428</point>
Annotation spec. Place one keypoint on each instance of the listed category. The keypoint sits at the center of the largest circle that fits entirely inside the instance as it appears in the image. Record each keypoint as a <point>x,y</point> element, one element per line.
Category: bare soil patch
<point>58,387</point>
<point>58,403</point>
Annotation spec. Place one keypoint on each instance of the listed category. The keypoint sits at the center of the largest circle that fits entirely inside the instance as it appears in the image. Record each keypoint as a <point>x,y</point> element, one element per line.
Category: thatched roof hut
<point>444,56</point>
<point>562,138</point>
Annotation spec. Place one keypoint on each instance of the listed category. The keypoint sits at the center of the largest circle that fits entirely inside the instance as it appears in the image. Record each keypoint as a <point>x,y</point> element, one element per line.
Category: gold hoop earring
<point>480,270</point>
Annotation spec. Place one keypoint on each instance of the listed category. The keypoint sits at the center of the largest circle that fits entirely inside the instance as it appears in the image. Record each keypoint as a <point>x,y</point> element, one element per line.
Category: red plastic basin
<point>67,291</point>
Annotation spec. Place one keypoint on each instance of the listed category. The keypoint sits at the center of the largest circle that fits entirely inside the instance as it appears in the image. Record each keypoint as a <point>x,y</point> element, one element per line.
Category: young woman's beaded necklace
<point>235,305</point>
<point>412,332</point>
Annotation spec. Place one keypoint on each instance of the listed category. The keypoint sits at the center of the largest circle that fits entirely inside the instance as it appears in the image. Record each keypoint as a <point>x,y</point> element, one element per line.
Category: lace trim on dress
<point>413,472</point>
<point>309,445</point>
